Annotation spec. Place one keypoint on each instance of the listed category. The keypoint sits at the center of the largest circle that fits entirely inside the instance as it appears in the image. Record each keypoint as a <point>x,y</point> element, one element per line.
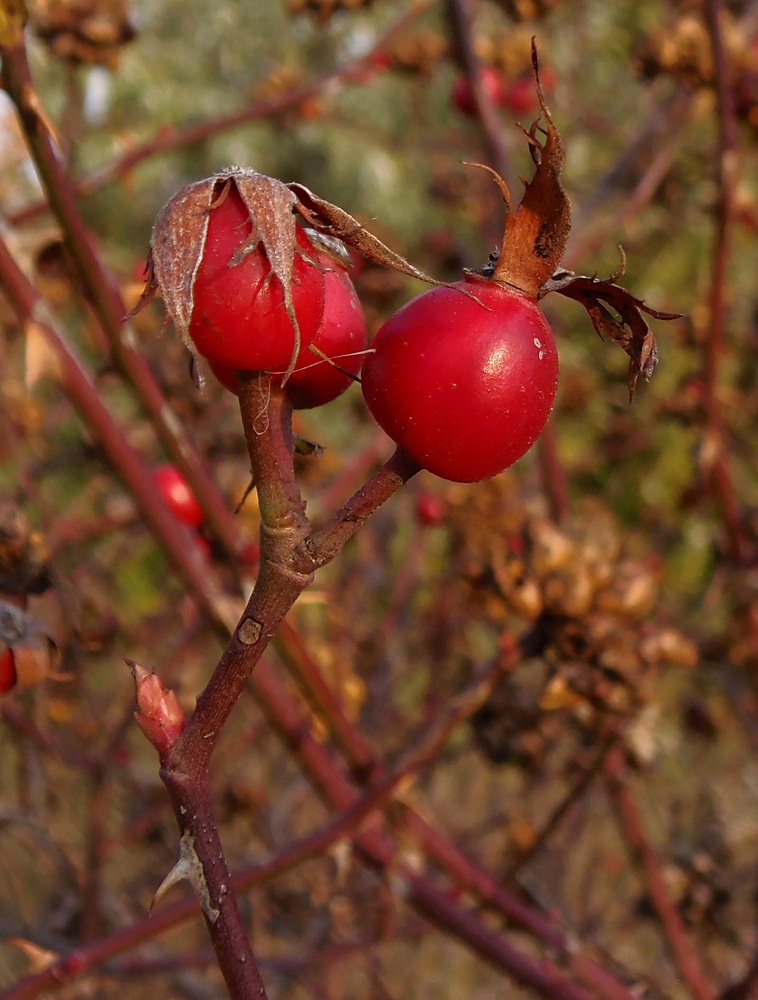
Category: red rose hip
<point>239,317</point>
<point>341,336</point>
<point>8,675</point>
<point>463,378</point>
<point>462,95</point>
<point>177,495</point>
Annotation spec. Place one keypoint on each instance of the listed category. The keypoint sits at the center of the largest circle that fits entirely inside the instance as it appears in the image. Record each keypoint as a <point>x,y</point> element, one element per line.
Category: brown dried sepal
<point>335,222</point>
<point>35,654</point>
<point>24,564</point>
<point>630,330</point>
<point>536,233</point>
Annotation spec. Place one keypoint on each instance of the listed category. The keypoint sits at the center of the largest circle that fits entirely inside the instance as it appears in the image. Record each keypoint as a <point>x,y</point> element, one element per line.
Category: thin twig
<point>682,949</point>
<point>714,454</point>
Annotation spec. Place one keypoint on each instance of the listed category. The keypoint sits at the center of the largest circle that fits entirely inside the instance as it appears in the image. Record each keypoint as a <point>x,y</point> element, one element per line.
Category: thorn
<point>188,867</point>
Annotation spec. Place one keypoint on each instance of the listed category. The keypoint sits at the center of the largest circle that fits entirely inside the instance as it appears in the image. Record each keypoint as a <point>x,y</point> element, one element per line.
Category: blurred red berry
<point>520,96</point>
<point>251,554</point>
<point>431,509</point>
<point>177,495</point>
<point>463,98</point>
<point>8,675</point>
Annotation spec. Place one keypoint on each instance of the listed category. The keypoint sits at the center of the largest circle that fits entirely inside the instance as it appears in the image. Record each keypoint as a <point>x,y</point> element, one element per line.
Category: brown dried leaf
<point>536,234</point>
<point>336,222</point>
<point>630,331</point>
<point>24,559</point>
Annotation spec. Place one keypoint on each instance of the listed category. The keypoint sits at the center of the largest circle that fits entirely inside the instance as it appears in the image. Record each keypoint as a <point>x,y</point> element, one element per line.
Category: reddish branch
<point>680,945</point>
<point>715,456</point>
<point>460,16</point>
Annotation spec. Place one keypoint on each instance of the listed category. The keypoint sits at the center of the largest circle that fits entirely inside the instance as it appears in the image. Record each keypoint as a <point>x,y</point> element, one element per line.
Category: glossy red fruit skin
<point>463,97</point>
<point>177,495</point>
<point>342,336</point>
<point>238,315</point>
<point>8,675</point>
<point>463,386</point>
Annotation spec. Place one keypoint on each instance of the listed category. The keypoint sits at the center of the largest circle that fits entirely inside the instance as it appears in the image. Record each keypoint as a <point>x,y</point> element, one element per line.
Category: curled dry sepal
<point>630,331</point>
<point>159,714</point>
<point>181,228</point>
<point>534,242</point>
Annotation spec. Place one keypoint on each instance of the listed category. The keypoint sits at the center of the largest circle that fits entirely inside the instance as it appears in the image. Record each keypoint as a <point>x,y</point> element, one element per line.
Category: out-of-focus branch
<point>680,945</point>
<point>169,139</point>
<point>81,390</point>
<point>103,292</point>
<point>460,16</point>
<point>714,453</point>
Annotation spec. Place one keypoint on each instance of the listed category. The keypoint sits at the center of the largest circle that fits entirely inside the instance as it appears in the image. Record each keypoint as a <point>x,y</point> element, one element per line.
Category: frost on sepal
<point>159,714</point>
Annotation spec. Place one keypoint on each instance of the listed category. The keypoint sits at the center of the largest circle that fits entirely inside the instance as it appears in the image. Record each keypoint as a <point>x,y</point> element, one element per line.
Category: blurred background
<point>618,559</point>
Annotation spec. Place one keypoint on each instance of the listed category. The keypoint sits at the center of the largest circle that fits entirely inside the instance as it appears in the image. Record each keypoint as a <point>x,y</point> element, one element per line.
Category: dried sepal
<point>35,659</point>
<point>35,654</point>
<point>176,250</point>
<point>630,330</point>
<point>335,222</point>
<point>272,206</point>
<point>536,233</point>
